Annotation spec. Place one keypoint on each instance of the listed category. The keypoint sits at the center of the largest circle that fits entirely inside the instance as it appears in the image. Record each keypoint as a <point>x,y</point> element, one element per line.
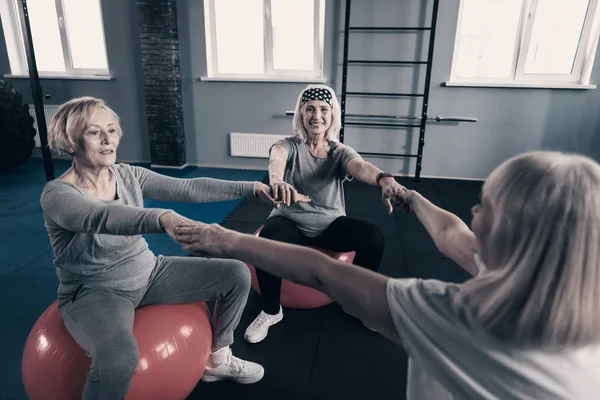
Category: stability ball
<point>294,295</point>
<point>174,342</point>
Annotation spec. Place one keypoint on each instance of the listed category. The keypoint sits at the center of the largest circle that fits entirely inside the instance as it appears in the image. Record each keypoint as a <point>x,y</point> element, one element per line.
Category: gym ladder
<point>393,119</point>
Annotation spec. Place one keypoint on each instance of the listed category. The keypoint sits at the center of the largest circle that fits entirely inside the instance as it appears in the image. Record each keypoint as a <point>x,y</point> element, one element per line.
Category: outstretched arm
<point>194,190</point>
<point>281,190</point>
<point>72,211</point>
<point>365,172</point>
<point>277,160</point>
<point>368,173</point>
<point>358,290</point>
<point>451,235</point>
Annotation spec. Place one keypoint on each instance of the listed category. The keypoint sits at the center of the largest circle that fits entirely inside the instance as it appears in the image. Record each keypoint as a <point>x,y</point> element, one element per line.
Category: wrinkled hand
<point>405,200</point>
<point>170,220</point>
<point>391,193</point>
<point>287,194</point>
<point>264,193</point>
<point>207,240</point>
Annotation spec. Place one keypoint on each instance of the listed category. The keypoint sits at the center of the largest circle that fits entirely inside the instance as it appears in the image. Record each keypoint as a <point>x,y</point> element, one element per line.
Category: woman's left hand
<point>390,190</point>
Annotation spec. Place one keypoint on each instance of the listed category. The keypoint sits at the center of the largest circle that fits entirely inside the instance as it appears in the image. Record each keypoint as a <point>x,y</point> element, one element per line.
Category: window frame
<point>270,73</point>
<point>70,71</point>
<point>582,65</point>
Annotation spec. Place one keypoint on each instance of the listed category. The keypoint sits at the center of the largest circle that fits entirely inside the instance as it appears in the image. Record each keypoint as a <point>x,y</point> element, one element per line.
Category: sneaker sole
<point>266,333</point>
<point>243,380</point>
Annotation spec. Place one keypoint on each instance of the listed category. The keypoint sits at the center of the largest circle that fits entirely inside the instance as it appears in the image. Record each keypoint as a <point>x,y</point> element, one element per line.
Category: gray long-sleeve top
<point>99,243</point>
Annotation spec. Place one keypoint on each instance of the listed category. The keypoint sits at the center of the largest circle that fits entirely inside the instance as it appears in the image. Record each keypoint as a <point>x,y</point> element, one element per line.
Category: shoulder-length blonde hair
<point>333,133</point>
<point>71,120</point>
<point>542,287</point>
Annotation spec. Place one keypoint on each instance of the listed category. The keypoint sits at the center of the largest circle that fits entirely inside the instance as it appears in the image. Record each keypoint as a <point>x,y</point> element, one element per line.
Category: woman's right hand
<point>171,220</point>
<point>285,193</point>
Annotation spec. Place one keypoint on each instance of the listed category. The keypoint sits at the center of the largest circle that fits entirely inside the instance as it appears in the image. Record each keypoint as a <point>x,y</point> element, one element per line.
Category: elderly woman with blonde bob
<point>527,326</point>
<point>315,164</point>
<point>95,217</point>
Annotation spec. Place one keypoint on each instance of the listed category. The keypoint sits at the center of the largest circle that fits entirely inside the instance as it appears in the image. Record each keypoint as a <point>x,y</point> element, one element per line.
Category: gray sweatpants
<point>101,320</point>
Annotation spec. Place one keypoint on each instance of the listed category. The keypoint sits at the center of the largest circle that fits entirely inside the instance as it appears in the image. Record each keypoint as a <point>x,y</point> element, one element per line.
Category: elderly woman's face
<point>98,143</point>
<point>316,115</point>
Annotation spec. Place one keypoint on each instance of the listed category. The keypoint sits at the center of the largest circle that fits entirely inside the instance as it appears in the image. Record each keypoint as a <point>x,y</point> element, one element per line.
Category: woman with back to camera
<point>527,326</point>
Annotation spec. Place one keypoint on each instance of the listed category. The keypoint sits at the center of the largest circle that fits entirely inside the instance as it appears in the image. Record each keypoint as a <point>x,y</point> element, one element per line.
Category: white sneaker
<point>259,328</point>
<point>366,326</point>
<point>235,369</point>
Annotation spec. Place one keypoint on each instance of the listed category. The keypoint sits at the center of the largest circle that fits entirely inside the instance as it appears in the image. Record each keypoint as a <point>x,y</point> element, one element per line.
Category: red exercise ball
<point>294,295</point>
<point>174,342</point>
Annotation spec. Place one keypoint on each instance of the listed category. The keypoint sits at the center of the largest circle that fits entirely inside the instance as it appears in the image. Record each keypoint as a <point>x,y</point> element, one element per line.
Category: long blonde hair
<point>542,252</point>
<point>333,132</point>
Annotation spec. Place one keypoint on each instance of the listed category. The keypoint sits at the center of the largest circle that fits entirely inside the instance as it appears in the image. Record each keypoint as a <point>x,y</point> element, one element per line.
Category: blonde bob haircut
<point>542,287</point>
<point>333,133</point>
<point>72,120</point>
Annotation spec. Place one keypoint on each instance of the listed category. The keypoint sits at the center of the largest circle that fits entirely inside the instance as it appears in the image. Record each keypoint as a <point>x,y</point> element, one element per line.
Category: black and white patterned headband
<point>317,94</point>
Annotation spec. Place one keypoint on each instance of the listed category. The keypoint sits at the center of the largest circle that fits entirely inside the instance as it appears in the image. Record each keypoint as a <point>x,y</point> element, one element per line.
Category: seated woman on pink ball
<point>313,163</point>
<point>95,217</point>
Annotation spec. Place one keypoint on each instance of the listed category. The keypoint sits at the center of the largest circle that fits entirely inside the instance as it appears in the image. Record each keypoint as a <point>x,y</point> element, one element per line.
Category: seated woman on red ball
<point>315,164</point>
<point>95,217</point>
<point>527,326</point>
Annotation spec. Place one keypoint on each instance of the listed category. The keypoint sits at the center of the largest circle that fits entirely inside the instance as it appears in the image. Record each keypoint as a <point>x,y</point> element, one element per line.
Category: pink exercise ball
<point>294,295</point>
<point>174,342</point>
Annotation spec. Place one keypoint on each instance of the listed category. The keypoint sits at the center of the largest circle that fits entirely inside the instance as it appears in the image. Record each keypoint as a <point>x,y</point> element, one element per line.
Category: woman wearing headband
<point>315,164</point>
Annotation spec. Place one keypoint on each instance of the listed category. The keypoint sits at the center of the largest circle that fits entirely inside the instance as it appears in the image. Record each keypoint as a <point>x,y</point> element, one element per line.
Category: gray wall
<point>510,120</point>
<point>124,94</point>
<point>214,109</point>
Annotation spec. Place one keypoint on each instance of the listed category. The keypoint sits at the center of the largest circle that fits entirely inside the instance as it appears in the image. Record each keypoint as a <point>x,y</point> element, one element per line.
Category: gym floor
<point>312,354</point>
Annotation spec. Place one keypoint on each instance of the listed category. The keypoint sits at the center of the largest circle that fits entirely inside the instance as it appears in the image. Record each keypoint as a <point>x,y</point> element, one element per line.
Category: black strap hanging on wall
<point>36,89</point>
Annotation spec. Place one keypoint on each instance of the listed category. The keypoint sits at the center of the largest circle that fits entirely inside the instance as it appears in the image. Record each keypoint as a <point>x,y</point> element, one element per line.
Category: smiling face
<point>316,116</point>
<point>99,141</point>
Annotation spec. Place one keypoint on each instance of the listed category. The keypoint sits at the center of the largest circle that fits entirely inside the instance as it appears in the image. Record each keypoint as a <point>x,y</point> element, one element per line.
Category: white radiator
<point>252,144</point>
<point>49,111</point>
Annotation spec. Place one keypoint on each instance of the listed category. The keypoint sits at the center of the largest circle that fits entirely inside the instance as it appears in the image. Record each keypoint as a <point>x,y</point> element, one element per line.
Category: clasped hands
<point>281,192</point>
<point>394,194</point>
<point>194,236</point>
<point>216,241</point>
<point>197,237</point>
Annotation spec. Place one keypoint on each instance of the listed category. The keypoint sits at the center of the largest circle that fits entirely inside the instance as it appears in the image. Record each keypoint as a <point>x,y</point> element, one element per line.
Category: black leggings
<point>343,235</point>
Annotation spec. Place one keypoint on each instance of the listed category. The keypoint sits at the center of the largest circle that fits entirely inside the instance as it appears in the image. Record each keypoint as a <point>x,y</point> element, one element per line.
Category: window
<point>264,39</point>
<point>68,37</point>
<point>525,42</point>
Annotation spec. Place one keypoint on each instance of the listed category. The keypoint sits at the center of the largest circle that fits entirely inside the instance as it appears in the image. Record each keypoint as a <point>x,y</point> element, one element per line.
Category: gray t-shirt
<point>98,242</point>
<point>451,360</point>
<point>319,178</point>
